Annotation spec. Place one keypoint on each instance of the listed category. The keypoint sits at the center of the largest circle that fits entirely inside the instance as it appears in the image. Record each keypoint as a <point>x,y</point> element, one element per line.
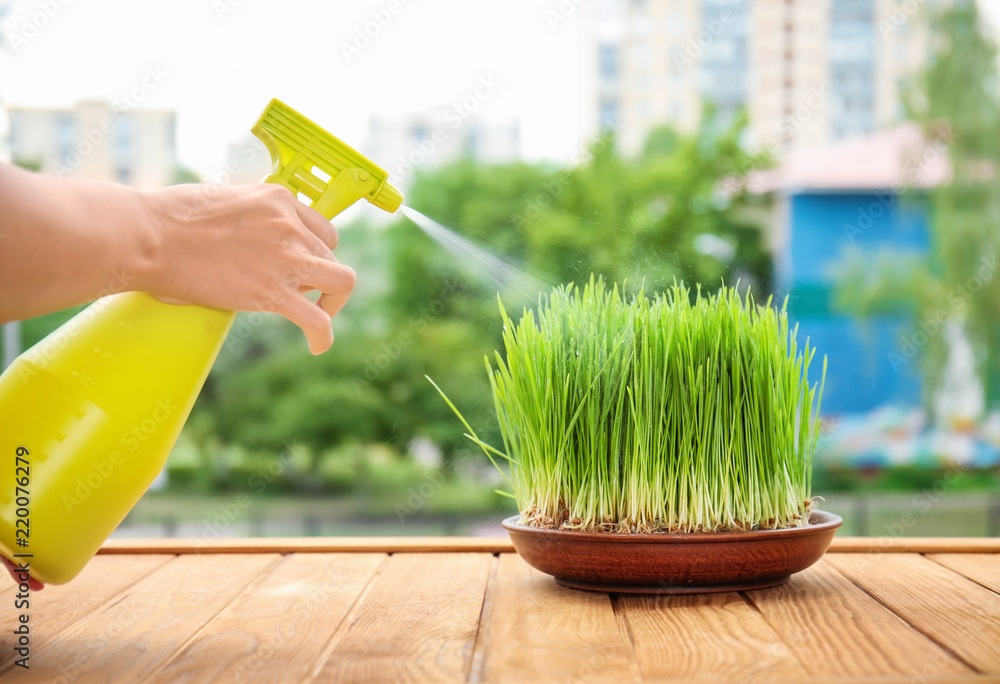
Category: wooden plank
<point>915,545</point>
<point>714,637</point>
<point>950,679</point>
<point>276,631</point>
<point>57,607</point>
<point>535,630</point>
<point>984,569</point>
<point>416,622</point>
<point>131,636</point>
<point>943,679</point>
<point>311,545</point>
<point>482,633</point>
<point>957,613</point>
<point>837,630</point>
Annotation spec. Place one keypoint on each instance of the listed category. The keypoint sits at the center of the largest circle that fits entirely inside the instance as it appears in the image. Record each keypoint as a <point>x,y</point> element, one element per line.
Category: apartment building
<point>807,72</point>
<point>96,140</point>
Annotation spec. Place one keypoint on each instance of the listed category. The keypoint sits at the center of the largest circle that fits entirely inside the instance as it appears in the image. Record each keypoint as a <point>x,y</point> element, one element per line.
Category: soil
<point>534,517</point>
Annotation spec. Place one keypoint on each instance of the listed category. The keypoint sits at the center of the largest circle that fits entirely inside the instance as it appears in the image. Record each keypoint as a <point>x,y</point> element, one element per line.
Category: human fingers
<point>15,573</point>
<point>312,319</point>
<point>334,281</point>
<point>317,224</point>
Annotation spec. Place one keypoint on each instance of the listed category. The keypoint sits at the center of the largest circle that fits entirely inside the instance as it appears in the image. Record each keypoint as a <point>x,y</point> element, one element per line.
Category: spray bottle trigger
<point>298,146</point>
<point>348,187</point>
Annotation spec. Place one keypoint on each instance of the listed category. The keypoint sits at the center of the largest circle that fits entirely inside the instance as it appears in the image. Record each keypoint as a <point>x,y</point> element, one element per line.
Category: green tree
<point>957,100</point>
<point>183,174</point>
<point>418,311</point>
<point>638,220</point>
<point>29,164</point>
<point>961,89</point>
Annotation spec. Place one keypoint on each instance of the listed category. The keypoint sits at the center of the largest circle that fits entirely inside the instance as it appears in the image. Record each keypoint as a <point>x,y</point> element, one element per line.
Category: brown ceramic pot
<point>674,563</point>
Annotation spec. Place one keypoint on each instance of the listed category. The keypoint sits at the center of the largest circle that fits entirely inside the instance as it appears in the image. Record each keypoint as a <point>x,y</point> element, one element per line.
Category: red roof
<point>895,158</point>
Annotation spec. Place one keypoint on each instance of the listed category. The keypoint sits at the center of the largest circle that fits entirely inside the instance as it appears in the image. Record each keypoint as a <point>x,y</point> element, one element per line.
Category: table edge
<point>490,545</point>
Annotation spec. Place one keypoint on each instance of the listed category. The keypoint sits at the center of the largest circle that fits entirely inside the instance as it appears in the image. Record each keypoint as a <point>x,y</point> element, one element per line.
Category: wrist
<point>147,242</point>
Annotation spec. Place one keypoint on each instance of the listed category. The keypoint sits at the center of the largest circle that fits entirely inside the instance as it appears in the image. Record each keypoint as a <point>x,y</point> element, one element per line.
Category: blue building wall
<point>822,228</point>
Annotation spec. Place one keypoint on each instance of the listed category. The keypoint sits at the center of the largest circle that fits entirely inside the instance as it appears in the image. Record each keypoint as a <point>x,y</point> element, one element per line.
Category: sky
<point>218,63</point>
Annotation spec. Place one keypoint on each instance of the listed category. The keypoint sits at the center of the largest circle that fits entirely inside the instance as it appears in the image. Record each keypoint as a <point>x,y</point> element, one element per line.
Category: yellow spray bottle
<point>90,413</point>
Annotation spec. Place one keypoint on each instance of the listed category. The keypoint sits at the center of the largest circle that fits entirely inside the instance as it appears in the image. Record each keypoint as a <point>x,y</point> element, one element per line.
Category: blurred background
<point>838,154</point>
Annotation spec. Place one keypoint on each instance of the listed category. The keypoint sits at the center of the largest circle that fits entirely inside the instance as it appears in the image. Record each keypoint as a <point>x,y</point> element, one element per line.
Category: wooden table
<point>454,610</point>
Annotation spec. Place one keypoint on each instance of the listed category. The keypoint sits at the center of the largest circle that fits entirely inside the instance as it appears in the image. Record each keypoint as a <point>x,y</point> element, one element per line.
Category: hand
<point>34,584</point>
<point>247,248</point>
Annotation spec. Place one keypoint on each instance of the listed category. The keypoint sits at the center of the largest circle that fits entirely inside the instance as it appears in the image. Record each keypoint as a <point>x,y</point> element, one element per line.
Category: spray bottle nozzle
<point>388,198</point>
<point>309,161</point>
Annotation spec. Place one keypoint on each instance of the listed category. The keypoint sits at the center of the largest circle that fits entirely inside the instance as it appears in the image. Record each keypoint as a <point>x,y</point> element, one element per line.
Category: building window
<point>722,73</point>
<point>170,131</point>
<point>607,57</point>
<point>852,66</point>
<point>66,139</point>
<point>473,143</point>
<point>123,140</point>
<point>608,114</point>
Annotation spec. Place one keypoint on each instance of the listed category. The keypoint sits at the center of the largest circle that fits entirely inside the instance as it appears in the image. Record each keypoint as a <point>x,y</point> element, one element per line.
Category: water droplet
<point>500,274</point>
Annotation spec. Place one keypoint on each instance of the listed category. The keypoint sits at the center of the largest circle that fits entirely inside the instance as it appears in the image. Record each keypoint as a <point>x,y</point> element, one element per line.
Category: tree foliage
<point>627,219</point>
<point>957,100</point>
<point>416,310</point>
